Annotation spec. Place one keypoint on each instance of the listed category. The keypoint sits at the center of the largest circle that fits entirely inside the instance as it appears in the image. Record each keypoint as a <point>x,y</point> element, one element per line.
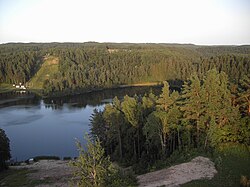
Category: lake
<point>50,126</point>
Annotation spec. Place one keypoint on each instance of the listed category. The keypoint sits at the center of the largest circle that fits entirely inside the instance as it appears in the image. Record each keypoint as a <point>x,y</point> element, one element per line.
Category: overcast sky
<point>206,22</point>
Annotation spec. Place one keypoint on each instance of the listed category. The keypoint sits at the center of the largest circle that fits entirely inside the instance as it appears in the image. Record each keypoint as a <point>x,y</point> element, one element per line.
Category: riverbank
<point>83,91</point>
<point>4,88</point>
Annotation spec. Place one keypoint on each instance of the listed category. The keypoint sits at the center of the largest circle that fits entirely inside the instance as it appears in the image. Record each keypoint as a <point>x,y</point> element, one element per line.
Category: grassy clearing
<point>6,87</point>
<point>47,70</point>
<point>232,163</point>
<point>17,177</point>
<point>141,84</point>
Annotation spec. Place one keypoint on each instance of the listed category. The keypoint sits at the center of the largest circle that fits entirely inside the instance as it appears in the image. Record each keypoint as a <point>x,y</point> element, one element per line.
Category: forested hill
<point>91,65</point>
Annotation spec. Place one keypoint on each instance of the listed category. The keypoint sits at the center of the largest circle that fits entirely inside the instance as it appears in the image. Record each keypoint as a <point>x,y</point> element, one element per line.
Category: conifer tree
<point>220,115</point>
<point>113,116</point>
<point>244,94</point>
<point>192,103</point>
<point>132,110</point>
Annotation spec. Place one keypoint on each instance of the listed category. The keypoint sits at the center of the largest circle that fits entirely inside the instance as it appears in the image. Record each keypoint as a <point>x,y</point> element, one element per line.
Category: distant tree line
<point>87,66</point>
<point>204,115</point>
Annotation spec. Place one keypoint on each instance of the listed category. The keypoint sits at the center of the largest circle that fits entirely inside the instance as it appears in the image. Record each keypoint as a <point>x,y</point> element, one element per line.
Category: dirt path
<point>57,172</point>
<point>198,168</point>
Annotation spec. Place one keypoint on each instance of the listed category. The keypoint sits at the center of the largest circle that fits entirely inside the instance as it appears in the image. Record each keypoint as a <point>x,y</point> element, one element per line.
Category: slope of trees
<point>146,128</point>
<point>4,149</point>
<point>88,66</point>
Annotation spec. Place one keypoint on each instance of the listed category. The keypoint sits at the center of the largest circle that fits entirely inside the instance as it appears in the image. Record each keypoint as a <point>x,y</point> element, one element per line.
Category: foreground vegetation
<point>209,116</point>
<point>148,131</point>
<point>232,163</point>
<point>95,169</point>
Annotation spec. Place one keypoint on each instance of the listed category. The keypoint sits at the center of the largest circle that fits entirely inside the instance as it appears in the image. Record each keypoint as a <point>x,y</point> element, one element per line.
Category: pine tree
<point>244,94</point>
<point>113,116</point>
<point>220,115</point>
<point>132,110</point>
<point>164,101</point>
<point>192,104</point>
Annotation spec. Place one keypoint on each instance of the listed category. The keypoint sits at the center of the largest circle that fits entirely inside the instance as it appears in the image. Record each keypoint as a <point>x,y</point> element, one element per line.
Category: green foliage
<point>6,88</point>
<point>232,162</point>
<point>132,110</point>
<point>4,149</point>
<point>122,178</point>
<point>46,72</point>
<point>244,94</point>
<point>91,66</point>
<point>140,130</point>
<point>164,101</point>
<point>92,167</point>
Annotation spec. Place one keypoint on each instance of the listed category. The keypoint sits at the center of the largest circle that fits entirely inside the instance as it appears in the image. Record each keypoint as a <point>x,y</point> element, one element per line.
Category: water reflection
<point>50,126</point>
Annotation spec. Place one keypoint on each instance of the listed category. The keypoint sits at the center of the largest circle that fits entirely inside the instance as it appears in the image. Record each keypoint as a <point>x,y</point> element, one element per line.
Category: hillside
<point>46,72</point>
<point>90,66</point>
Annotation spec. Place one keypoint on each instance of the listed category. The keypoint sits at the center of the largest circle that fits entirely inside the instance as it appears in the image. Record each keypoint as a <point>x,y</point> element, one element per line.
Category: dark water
<point>51,126</point>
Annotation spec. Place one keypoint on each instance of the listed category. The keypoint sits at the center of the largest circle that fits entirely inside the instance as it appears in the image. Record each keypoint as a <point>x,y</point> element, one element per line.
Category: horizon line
<point>73,42</point>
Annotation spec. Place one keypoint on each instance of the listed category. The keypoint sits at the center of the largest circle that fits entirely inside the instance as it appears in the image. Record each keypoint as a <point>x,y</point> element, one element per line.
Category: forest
<point>205,114</point>
<point>89,66</point>
<point>151,132</point>
<point>203,108</point>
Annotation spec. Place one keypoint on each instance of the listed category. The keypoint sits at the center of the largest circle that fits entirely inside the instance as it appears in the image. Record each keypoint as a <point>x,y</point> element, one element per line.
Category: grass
<point>47,70</point>
<point>231,163</point>
<point>6,87</point>
<point>17,177</point>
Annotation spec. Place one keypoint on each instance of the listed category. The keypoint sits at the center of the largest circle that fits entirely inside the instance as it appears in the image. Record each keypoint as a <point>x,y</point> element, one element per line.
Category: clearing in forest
<point>47,70</point>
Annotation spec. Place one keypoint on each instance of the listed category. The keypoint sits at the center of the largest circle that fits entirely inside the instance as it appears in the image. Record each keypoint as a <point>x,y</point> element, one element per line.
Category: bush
<point>121,177</point>
<point>93,168</point>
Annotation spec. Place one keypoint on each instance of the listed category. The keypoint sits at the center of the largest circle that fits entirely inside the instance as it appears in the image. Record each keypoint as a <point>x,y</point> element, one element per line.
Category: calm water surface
<point>51,126</point>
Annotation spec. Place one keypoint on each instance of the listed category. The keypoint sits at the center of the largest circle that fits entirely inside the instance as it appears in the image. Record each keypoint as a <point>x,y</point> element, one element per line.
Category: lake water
<point>51,126</point>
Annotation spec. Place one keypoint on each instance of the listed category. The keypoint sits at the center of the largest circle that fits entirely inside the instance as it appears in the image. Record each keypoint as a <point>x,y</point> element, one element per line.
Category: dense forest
<point>204,114</point>
<point>204,105</point>
<point>88,66</point>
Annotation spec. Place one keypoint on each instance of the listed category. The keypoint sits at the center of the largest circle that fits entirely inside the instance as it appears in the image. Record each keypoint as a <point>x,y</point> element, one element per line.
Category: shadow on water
<point>98,97</point>
<point>37,126</point>
<point>80,101</point>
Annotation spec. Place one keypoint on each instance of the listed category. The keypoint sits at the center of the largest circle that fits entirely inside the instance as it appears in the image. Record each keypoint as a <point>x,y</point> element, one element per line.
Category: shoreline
<point>61,94</point>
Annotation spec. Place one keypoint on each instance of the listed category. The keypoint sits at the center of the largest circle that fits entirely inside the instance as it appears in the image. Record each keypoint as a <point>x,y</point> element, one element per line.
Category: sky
<point>202,22</point>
